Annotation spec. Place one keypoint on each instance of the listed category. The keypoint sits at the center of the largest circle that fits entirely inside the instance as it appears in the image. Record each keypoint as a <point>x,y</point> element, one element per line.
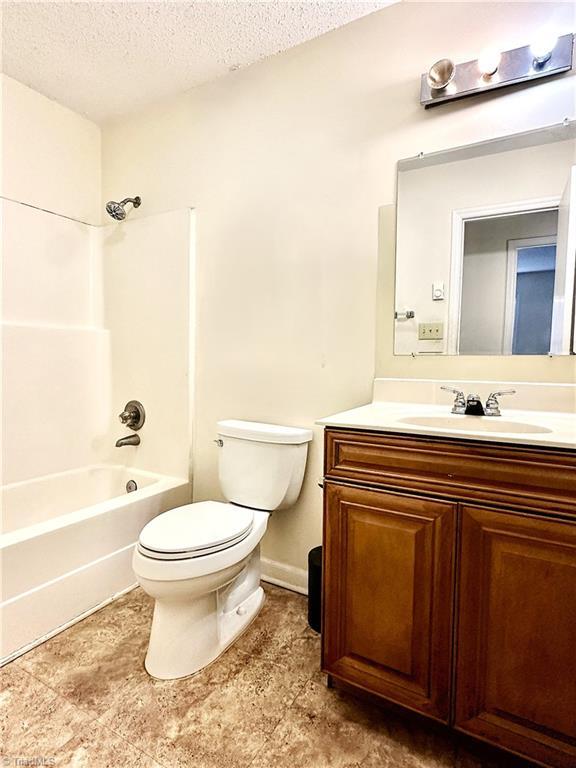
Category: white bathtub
<point>66,545</point>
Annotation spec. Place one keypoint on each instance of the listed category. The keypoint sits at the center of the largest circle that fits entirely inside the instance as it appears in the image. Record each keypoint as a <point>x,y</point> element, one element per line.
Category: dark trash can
<point>315,588</point>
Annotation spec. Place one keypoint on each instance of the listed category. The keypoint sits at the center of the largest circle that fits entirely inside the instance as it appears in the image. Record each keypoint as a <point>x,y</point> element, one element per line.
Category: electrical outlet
<point>430,331</point>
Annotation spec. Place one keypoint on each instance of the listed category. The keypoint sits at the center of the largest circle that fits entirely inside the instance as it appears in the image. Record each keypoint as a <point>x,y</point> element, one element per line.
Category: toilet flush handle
<point>219,442</point>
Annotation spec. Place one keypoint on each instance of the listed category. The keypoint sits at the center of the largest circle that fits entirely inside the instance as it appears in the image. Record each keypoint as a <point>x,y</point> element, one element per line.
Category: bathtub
<point>66,545</point>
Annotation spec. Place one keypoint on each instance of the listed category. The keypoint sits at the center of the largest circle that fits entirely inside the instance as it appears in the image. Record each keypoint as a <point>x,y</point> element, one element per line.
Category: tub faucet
<point>129,440</point>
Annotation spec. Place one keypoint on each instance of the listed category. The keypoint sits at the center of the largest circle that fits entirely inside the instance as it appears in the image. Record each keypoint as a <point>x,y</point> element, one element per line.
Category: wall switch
<point>438,291</point>
<point>430,331</point>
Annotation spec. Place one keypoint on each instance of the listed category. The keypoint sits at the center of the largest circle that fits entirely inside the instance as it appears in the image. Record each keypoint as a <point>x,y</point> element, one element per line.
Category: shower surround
<point>92,316</point>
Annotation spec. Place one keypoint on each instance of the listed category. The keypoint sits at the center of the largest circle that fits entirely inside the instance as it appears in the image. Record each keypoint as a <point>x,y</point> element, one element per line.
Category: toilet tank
<point>261,465</point>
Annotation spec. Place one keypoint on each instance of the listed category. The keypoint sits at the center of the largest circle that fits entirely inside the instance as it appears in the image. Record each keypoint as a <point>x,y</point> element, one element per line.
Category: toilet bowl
<point>201,562</point>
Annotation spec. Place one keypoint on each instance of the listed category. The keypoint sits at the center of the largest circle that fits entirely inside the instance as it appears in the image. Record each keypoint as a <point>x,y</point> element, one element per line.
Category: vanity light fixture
<point>546,56</point>
<point>543,47</point>
<point>488,62</point>
<point>440,74</point>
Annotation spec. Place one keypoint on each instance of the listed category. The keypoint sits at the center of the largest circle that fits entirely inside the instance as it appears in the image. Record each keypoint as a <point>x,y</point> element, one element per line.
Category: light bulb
<point>489,61</point>
<point>543,46</point>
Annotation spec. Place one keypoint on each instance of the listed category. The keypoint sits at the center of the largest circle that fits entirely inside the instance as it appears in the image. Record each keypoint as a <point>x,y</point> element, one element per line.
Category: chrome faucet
<point>471,405</point>
<point>492,404</point>
<point>459,405</point>
<point>129,440</point>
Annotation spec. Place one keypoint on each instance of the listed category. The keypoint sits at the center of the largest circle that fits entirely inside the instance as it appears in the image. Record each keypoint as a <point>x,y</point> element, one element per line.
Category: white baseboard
<point>282,575</point>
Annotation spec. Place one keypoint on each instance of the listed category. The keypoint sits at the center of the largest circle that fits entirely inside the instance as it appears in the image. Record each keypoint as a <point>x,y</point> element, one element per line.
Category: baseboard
<point>282,575</point>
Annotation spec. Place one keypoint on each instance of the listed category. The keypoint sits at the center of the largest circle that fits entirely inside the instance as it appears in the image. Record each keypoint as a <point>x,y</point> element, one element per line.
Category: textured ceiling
<point>104,59</point>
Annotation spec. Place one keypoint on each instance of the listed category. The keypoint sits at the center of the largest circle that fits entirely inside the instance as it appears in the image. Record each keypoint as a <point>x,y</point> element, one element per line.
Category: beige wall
<point>50,155</point>
<point>287,164</point>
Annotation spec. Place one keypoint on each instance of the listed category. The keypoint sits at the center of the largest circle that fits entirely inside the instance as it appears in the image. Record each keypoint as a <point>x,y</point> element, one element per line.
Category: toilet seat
<point>155,569</point>
<point>195,530</point>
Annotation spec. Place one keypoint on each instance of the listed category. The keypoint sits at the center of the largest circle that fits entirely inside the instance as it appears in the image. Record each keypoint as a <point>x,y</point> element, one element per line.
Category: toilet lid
<point>195,530</point>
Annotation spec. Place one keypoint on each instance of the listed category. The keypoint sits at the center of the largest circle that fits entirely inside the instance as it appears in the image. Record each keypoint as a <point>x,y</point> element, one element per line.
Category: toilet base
<point>235,623</point>
<point>190,631</point>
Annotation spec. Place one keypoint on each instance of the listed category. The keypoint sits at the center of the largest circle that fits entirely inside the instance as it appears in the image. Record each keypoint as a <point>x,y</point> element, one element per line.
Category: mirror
<point>486,247</point>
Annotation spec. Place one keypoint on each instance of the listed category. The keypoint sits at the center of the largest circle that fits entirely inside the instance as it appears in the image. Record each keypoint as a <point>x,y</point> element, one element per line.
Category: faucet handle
<point>133,415</point>
<point>492,404</point>
<point>452,389</point>
<point>459,405</point>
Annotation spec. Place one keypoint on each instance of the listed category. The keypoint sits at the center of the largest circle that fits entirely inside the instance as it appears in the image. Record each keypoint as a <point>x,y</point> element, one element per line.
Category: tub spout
<point>130,440</point>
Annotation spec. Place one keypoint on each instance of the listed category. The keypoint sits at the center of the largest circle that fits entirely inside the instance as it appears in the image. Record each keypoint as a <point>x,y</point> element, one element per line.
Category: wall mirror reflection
<point>486,247</point>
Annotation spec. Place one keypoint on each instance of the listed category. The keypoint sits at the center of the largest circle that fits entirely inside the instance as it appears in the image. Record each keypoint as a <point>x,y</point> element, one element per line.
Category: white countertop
<point>551,429</point>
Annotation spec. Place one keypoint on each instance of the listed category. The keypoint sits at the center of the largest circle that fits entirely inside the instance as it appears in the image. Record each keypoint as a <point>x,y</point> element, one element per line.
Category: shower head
<point>118,211</point>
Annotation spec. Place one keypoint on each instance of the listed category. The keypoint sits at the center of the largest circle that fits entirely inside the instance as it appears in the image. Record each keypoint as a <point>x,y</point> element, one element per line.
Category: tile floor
<point>84,699</point>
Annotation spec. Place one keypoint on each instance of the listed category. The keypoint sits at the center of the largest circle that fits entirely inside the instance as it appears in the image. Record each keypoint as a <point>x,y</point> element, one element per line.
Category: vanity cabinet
<point>450,584</point>
<point>516,657</point>
<point>389,604</point>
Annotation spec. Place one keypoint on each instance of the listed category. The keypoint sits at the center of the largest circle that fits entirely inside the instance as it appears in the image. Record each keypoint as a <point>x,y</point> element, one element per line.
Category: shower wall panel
<point>56,361</point>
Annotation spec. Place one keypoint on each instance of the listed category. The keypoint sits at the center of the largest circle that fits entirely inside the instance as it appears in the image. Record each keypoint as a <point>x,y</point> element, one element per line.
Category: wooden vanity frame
<point>471,548</point>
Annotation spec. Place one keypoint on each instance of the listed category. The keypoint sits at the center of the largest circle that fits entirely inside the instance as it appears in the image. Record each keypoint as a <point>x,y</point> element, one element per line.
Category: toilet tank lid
<point>263,433</point>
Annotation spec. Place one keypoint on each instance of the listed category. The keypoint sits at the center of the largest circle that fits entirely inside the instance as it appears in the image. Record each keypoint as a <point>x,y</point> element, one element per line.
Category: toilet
<point>201,562</point>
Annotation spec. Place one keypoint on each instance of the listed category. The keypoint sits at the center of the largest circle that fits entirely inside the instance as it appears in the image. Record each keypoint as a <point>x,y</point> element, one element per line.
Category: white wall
<point>50,155</point>
<point>91,316</point>
<point>54,355</point>
<point>431,194</point>
<point>287,164</point>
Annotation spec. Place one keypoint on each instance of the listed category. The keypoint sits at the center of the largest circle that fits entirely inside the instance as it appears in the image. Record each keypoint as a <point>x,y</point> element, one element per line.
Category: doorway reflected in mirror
<point>508,271</point>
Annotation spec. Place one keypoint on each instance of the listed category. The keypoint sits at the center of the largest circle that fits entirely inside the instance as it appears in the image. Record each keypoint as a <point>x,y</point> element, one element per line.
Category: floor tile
<point>411,742</point>
<point>90,662</point>
<point>221,717</point>
<point>35,721</point>
<point>263,703</point>
<point>282,619</point>
<point>301,657</point>
<point>127,613</point>
<point>472,754</point>
<point>323,729</point>
<point>98,747</point>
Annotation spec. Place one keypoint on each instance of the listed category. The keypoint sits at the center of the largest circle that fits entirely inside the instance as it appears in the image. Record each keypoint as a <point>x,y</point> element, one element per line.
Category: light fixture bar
<point>516,66</point>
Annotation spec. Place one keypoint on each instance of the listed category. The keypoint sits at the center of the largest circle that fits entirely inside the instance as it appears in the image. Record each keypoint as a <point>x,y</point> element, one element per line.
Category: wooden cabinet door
<point>388,589</point>
<point>516,657</point>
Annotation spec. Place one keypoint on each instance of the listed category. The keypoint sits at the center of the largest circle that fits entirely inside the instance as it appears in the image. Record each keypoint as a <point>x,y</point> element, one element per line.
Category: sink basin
<point>474,424</point>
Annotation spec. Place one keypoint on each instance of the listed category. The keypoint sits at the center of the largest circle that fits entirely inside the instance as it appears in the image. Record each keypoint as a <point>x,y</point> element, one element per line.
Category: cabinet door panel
<point>388,595</point>
<point>516,676</point>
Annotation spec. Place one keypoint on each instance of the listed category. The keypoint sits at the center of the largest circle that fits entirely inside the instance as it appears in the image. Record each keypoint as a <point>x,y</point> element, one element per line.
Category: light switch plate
<point>430,331</point>
<point>438,290</point>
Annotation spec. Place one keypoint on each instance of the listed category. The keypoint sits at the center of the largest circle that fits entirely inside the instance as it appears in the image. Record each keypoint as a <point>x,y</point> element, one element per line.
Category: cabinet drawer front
<point>516,677</point>
<point>460,469</point>
<point>388,595</point>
